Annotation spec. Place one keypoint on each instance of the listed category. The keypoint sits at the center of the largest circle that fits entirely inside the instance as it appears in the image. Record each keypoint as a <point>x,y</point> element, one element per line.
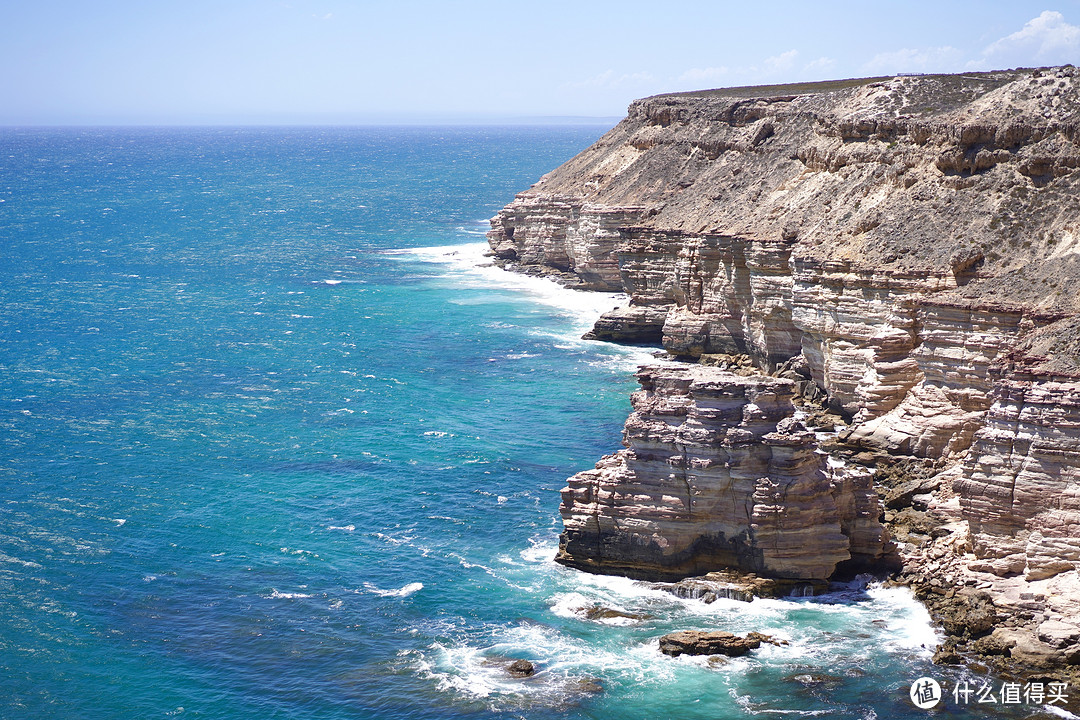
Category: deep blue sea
<point>275,443</point>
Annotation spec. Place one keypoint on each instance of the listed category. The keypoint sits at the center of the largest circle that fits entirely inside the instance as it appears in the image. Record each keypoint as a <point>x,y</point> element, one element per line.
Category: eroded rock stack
<point>716,473</point>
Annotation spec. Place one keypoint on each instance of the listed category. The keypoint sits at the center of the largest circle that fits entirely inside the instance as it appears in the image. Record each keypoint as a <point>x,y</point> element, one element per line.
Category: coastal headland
<point>870,287</point>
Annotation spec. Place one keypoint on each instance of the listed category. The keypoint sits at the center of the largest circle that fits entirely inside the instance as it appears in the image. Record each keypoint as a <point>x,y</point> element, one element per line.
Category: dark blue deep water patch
<point>274,446</point>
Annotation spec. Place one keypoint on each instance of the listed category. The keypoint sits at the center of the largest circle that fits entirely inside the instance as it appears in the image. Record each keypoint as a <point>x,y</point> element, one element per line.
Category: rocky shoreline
<point>871,291</point>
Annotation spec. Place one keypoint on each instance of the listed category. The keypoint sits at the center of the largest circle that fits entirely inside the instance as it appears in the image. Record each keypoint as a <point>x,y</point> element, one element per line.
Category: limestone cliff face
<point>898,240</point>
<point>717,474</point>
<point>1020,491</point>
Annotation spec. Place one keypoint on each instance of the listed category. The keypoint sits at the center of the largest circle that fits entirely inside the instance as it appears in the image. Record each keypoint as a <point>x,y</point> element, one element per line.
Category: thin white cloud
<point>1045,40</point>
<point>939,59</point>
<point>780,63</point>
<point>819,67</point>
<point>774,67</point>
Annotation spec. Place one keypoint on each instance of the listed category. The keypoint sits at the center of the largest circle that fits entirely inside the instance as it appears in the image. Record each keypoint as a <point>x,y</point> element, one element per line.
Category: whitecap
<point>478,668</point>
<point>577,606</point>
<point>567,604</point>
<point>914,630</point>
<point>403,591</point>
<point>25,563</point>
<point>300,552</point>
<point>540,551</point>
<point>275,595</point>
<point>347,528</point>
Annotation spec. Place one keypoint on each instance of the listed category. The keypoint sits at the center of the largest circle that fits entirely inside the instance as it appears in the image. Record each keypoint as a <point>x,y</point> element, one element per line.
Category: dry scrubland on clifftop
<point>904,250</point>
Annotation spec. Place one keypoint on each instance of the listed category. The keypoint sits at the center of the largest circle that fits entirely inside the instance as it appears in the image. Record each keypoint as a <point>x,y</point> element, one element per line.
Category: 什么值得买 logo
<point>926,693</point>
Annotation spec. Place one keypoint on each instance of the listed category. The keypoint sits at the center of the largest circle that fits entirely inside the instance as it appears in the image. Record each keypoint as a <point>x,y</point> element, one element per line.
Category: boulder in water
<point>521,668</point>
<point>696,642</point>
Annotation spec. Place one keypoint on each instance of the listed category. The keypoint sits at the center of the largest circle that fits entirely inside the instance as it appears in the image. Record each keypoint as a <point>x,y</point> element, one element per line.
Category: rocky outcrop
<point>631,325</point>
<point>696,642</point>
<point>716,473</point>
<point>566,234</point>
<point>521,668</point>
<point>831,223</point>
<point>742,586</point>
<point>905,250</point>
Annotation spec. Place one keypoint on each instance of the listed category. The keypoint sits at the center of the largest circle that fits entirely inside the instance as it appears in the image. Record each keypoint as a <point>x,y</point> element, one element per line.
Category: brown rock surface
<point>697,642</point>
<point>521,668</point>
<point>716,474</point>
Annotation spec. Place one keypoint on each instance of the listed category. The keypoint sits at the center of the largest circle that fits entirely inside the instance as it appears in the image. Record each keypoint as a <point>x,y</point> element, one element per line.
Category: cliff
<point>905,251</point>
<point>717,473</point>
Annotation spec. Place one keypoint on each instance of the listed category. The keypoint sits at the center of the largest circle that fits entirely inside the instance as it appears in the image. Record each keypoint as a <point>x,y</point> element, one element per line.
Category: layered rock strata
<point>1020,490</point>
<point>993,547</point>
<point>906,250</point>
<point>716,473</point>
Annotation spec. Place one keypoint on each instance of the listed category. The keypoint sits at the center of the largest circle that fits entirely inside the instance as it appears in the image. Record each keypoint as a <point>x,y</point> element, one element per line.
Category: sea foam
<point>468,266</point>
<point>403,591</point>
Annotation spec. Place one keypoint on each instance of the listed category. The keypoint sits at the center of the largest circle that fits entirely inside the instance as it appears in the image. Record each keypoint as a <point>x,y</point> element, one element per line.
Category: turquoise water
<point>274,446</point>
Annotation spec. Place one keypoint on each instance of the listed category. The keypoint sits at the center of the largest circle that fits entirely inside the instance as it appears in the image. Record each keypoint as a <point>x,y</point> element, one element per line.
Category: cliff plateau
<point>904,251</point>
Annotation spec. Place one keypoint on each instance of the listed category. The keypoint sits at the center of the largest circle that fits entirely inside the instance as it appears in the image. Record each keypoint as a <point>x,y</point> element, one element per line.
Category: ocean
<point>279,442</point>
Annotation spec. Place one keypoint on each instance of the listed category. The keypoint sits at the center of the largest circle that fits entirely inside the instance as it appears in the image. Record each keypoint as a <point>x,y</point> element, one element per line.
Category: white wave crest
<point>275,595</point>
<point>566,665</point>
<point>469,263</point>
<point>403,591</point>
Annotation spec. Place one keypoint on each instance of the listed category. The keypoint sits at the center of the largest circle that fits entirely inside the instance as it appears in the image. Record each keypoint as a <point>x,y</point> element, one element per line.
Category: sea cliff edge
<point>871,285</point>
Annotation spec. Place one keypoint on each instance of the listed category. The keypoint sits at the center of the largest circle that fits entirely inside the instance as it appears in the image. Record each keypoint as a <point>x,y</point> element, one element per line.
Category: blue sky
<point>350,61</point>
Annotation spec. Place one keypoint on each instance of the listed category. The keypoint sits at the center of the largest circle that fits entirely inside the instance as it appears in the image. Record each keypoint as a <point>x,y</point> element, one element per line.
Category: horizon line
<point>435,121</point>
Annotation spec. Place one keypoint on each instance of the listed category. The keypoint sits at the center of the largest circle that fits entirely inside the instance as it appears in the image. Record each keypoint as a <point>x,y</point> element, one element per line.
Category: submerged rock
<point>599,612</point>
<point>590,686</point>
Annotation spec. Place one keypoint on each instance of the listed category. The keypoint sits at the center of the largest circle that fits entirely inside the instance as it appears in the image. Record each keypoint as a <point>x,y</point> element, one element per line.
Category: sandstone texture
<point>717,473</point>
<point>902,254</point>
